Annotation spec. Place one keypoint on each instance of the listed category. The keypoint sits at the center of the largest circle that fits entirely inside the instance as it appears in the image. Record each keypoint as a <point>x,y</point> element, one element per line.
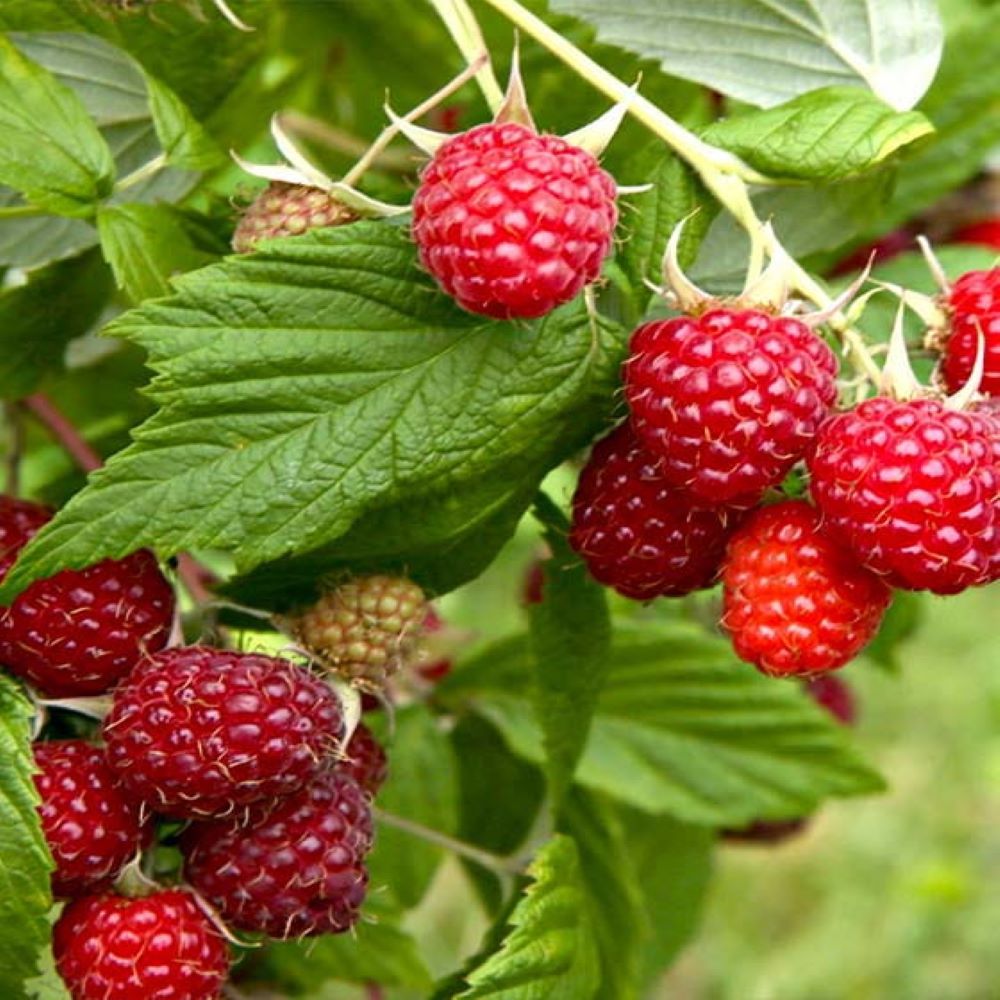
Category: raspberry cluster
<point>725,400</point>
<point>250,749</point>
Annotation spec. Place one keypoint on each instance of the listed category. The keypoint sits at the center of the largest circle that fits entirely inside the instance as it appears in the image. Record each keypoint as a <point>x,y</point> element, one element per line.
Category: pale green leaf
<point>51,151</point>
<point>185,142</point>
<point>570,639</point>
<point>767,51</point>
<point>146,245</point>
<point>550,952</point>
<point>25,897</point>
<point>824,135</point>
<point>699,735</point>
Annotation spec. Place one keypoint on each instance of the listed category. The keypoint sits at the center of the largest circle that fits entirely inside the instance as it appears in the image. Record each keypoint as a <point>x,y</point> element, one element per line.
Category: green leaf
<point>699,735</point>
<point>378,951</point>
<point>38,319</point>
<point>550,951</point>
<point>964,105</point>
<point>51,152</point>
<point>499,798</point>
<point>675,195</point>
<point>305,386</point>
<point>824,135</point>
<point>901,622</point>
<point>145,246</point>
<point>422,787</point>
<point>25,897</point>
<point>673,863</point>
<point>767,51</point>
<point>570,640</point>
<point>614,897</point>
<point>185,142</point>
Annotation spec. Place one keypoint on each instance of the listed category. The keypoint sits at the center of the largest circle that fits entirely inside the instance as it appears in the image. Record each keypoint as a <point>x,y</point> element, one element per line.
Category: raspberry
<point>636,532</point>
<point>92,828</point>
<point>365,760</point>
<point>283,209</point>
<point>195,731</point>
<point>163,946</point>
<point>985,233</point>
<point>431,665</point>
<point>294,868</point>
<point>795,602</point>
<point>512,224</point>
<point>730,400</point>
<point>973,305</point>
<point>79,631</point>
<point>913,489</point>
<point>833,694</point>
<point>365,629</point>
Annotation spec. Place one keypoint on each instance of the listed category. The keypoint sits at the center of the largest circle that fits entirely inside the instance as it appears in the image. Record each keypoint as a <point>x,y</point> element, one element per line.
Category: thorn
<point>960,400</point>
<point>425,139</point>
<point>898,377</point>
<point>690,298</point>
<point>515,101</point>
<point>934,265</point>
<point>596,136</point>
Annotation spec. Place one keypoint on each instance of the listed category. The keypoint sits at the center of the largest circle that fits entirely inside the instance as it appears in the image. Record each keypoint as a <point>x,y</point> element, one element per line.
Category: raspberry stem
<point>724,174</point>
<point>61,428</point>
<point>464,29</point>
<point>485,859</point>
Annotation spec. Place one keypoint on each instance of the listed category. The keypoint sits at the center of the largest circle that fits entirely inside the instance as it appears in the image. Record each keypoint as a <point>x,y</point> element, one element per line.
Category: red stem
<point>192,574</point>
<point>373,991</point>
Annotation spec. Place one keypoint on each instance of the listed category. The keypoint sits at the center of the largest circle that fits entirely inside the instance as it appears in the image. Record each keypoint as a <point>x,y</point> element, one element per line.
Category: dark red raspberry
<point>639,534</point>
<point>729,400</point>
<point>913,489</point>
<point>195,731</point>
<point>295,867</point>
<point>832,693</point>
<point>512,223</point>
<point>365,760</point>
<point>92,827</point>
<point>79,631</point>
<point>985,233</point>
<point>533,584</point>
<point>973,306</point>
<point>109,947</point>
<point>794,601</point>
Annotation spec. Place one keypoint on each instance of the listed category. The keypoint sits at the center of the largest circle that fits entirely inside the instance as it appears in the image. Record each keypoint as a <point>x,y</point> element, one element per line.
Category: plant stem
<point>191,574</point>
<point>464,29</point>
<point>725,175</point>
<point>63,431</point>
<point>486,859</point>
<point>143,173</point>
<point>20,211</point>
<point>15,447</point>
<point>341,141</point>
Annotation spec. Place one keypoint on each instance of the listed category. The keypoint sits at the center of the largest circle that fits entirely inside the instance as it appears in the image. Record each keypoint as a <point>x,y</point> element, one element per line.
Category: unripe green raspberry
<point>365,629</point>
<point>288,210</point>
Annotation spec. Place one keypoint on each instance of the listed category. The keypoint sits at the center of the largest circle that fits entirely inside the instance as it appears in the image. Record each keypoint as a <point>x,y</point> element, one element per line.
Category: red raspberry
<point>729,400</point>
<point>79,631</point>
<point>283,209</point>
<point>195,731</point>
<point>294,868</point>
<point>639,534</point>
<point>533,583</point>
<point>108,947</point>
<point>985,233</point>
<point>512,224</point>
<point>795,602</point>
<point>913,489</point>
<point>365,760</point>
<point>973,305</point>
<point>91,826</point>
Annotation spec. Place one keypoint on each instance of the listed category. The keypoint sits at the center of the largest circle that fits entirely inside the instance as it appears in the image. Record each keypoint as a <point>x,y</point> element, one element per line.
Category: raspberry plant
<point>630,361</point>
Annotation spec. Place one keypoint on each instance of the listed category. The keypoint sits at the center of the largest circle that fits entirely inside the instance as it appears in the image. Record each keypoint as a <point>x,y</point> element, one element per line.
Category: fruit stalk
<point>724,174</point>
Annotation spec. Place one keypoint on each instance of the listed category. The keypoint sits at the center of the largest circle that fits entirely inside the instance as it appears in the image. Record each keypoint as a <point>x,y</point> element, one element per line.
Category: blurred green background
<point>893,896</point>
